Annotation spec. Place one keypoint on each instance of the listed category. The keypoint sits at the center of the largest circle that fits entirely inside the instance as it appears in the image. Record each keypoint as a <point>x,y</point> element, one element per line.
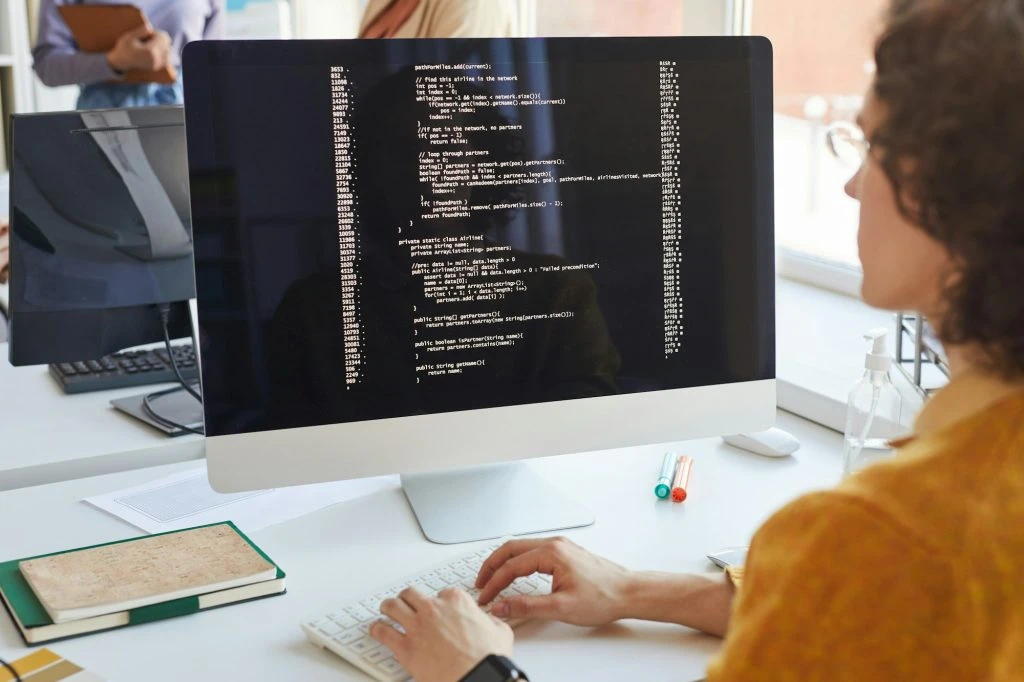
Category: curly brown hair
<point>950,79</point>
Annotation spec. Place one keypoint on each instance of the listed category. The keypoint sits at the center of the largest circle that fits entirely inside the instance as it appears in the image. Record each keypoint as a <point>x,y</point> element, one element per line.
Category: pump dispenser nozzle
<point>877,359</point>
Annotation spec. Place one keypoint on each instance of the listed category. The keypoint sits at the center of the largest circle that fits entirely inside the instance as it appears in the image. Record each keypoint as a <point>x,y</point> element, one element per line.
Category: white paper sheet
<point>186,499</point>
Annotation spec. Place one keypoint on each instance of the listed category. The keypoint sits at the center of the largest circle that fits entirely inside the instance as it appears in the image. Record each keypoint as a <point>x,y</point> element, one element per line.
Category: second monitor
<point>427,254</point>
<point>100,236</point>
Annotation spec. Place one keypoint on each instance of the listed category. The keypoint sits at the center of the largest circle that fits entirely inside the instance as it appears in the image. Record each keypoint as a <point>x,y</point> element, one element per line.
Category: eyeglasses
<point>848,143</point>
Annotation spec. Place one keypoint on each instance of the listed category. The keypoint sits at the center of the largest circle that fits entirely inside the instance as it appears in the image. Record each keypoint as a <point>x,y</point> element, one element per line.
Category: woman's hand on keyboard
<point>445,636</point>
<point>586,589</point>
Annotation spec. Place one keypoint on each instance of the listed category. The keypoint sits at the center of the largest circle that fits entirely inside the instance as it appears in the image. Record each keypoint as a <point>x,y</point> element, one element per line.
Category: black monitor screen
<point>395,228</point>
<point>100,210</point>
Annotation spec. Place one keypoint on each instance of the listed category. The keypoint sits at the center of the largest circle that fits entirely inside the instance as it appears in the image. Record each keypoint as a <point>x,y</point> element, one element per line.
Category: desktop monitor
<point>419,255</point>
<point>100,232</point>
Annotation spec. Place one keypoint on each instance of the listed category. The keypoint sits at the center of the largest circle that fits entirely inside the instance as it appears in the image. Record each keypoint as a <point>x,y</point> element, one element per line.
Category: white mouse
<point>771,443</point>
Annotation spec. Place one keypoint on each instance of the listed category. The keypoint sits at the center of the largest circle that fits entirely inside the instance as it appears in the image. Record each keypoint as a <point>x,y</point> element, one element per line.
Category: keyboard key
<point>390,665</point>
<point>67,368</point>
<point>81,367</point>
<point>362,645</point>
<point>348,637</point>
<point>378,654</point>
<point>361,614</point>
<point>464,571</point>
<point>344,620</point>
<point>329,628</point>
<point>436,584</point>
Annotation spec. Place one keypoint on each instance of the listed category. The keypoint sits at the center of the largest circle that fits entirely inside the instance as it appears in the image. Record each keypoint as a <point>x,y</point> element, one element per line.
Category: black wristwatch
<point>495,668</point>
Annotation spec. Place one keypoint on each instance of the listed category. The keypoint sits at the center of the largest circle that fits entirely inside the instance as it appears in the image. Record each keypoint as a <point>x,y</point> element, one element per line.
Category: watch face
<point>495,669</point>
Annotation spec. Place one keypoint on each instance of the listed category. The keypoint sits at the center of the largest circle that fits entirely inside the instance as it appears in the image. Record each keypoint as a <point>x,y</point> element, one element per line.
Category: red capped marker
<point>682,478</point>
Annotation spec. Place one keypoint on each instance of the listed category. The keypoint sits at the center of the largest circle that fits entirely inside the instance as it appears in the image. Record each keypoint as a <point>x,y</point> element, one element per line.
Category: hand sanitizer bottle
<point>873,412</point>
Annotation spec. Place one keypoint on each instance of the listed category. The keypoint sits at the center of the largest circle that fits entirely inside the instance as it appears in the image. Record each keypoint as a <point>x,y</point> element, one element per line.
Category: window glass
<point>823,67</point>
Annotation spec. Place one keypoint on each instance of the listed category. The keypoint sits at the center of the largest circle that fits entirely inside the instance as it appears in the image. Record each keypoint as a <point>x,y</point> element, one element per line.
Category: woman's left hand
<point>445,636</point>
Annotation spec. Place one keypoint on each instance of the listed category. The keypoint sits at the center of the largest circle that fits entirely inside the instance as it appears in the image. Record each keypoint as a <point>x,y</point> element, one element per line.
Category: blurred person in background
<point>441,19</point>
<point>172,24</point>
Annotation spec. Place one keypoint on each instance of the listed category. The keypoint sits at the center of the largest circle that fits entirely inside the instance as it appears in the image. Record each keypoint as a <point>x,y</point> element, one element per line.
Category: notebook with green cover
<point>37,627</point>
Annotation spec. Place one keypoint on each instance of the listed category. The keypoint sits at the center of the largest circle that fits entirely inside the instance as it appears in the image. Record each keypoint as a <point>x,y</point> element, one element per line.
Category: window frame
<point>791,263</point>
<point>823,273</point>
<point>713,17</point>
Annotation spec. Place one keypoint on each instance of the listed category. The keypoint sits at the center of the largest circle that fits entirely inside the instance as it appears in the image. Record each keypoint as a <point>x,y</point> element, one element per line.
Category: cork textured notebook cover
<point>150,570</point>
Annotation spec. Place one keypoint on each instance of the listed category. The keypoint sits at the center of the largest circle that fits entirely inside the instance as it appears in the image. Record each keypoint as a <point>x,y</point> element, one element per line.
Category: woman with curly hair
<point>912,569</point>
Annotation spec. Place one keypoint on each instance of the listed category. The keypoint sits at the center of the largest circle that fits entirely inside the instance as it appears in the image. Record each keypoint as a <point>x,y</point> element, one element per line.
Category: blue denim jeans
<point>122,95</point>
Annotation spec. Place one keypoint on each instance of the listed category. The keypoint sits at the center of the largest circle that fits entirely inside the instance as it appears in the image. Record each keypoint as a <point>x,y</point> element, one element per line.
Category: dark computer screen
<point>393,228</point>
<point>100,226</point>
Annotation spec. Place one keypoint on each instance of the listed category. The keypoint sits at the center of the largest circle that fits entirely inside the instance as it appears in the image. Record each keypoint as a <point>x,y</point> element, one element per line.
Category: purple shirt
<point>58,61</point>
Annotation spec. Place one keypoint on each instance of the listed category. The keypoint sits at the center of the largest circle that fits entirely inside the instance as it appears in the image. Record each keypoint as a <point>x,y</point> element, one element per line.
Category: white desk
<point>47,436</point>
<point>357,546</point>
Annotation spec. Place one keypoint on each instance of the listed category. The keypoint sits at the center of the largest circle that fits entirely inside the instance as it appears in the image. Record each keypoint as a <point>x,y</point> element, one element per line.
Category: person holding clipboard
<point>155,45</point>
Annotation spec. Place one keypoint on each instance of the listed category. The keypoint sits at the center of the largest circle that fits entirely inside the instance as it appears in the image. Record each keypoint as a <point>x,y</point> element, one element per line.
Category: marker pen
<point>682,478</point>
<point>668,467</point>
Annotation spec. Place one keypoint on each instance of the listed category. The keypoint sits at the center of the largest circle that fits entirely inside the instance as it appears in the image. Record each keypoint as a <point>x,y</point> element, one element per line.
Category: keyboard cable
<point>147,404</point>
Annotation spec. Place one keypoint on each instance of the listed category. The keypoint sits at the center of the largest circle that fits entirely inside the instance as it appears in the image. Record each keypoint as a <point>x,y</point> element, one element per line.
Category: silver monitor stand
<point>489,501</point>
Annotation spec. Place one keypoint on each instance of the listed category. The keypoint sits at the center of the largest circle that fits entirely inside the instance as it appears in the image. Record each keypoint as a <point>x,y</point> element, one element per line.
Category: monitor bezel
<point>408,444</point>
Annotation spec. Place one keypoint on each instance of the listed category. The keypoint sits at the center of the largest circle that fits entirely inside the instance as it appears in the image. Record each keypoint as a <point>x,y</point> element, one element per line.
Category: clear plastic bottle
<point>873,411</point>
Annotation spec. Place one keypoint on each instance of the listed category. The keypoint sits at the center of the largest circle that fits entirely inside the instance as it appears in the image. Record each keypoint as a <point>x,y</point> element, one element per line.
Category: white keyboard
<point>346,629</point>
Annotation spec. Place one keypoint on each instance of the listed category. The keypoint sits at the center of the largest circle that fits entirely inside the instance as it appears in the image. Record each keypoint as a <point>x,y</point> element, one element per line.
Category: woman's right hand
<point>142,48</point>
<point>586,589</point>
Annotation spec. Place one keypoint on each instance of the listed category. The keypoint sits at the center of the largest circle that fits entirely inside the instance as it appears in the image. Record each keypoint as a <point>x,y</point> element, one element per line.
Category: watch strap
<point>495,668</point>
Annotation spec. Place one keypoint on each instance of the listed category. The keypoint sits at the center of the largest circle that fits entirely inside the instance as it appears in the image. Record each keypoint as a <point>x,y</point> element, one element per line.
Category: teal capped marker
<point>668,470</point>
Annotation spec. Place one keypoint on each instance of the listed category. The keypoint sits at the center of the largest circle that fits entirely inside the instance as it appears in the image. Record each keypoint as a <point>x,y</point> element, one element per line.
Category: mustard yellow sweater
<point>911,570</point>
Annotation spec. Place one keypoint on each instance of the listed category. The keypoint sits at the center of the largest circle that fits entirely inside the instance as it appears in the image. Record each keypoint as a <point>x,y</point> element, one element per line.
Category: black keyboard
<point>126,369</point>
